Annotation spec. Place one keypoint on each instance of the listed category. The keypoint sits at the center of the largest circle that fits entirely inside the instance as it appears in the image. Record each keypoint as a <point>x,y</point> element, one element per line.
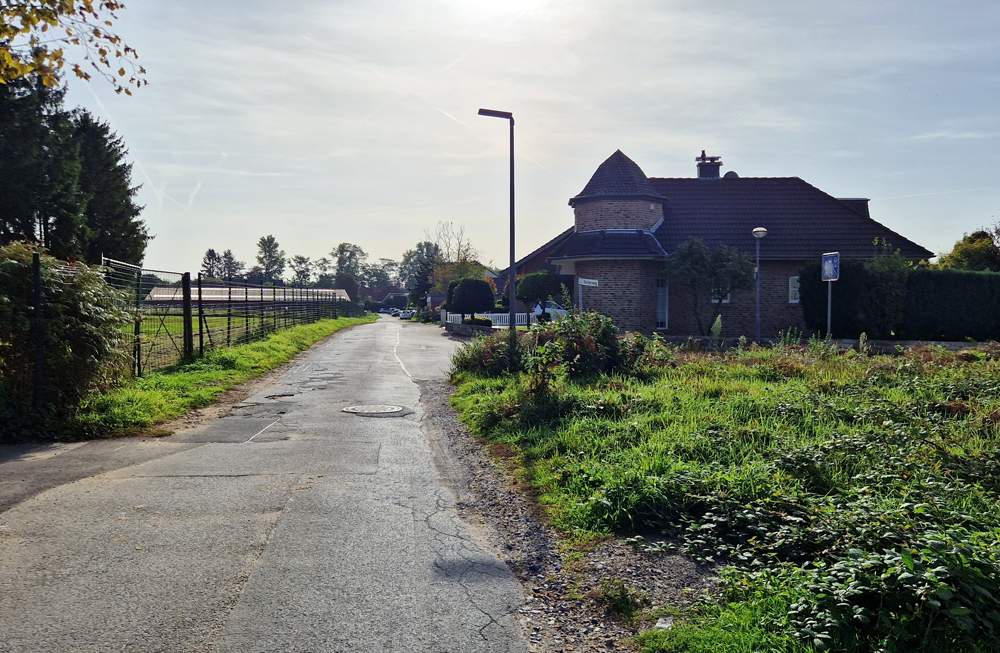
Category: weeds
<point>851,499</point>
<point>168,394</point>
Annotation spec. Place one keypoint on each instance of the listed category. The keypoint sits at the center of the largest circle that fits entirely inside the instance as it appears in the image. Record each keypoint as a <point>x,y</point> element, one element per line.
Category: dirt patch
<point>565,605</point>
<point>223,405</point>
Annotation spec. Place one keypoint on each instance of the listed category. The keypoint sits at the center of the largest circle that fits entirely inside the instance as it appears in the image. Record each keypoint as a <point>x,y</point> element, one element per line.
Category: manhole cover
<point>375,410</point>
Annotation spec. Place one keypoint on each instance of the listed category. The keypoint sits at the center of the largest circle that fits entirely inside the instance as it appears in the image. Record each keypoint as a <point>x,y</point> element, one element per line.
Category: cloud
<point>953,135</point>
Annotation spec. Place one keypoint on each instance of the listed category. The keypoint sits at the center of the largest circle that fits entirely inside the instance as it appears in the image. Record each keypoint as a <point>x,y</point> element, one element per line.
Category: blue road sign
<point>831,266</point>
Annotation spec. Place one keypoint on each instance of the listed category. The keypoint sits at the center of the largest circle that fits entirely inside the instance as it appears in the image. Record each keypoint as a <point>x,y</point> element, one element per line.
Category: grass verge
<point>851,501</point>
<point>168,394</point>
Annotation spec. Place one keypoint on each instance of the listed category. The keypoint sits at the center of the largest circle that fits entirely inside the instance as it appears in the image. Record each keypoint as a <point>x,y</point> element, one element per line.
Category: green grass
<point>168,394</point>
<point>853,500</point>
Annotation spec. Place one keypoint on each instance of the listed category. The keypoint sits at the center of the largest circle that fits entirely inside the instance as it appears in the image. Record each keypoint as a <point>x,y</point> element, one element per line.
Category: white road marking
<point>261,431</point>
<point>395,353</point>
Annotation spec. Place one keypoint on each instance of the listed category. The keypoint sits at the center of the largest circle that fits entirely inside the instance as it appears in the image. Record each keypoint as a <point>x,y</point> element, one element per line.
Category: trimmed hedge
<point>884,300</point>
<point>952,305</point>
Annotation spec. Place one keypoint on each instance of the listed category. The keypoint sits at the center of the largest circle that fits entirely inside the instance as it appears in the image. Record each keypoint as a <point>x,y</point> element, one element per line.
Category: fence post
<point>186,308</point>
<point>284,304</point>
<point>274,307</point>
<point>229,314</point>
<point>137,329</point>
<point>201,321</point>
<point>38,368</point>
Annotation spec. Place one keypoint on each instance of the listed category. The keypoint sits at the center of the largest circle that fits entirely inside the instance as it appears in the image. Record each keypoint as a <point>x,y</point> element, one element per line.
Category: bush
<point>82,331</point>
<point>478,321</point>
<point>886,299</point>
<point>869,297</point>
<point>471,296</point>
<point>952,305</point>
<point>485,356</point>
<point>639,355</point>
<point>537,287</point>
<point>586,343</point>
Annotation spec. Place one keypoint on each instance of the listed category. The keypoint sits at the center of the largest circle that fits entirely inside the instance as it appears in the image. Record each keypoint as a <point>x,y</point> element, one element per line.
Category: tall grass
<point>853,498</point>
<point>168,394</point>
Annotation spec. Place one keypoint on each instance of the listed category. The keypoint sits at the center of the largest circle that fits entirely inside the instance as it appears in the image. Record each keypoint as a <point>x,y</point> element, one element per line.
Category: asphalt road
<point>287,526</point>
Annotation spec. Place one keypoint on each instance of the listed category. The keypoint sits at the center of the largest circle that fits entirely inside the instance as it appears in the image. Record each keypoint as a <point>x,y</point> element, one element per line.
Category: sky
<point>322,121</point>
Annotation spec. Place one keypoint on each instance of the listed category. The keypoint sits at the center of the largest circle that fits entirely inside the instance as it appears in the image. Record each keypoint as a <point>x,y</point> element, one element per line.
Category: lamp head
<point>759,232</point>
<point>493,113</point>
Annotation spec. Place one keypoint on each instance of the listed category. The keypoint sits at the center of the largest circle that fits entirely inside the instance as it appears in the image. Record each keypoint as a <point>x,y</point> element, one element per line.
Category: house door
<point>662,303</point>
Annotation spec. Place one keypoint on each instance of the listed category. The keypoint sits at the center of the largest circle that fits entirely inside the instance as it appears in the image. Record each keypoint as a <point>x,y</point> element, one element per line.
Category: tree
<point>471,296</point>
<point>211,264</point>
<point>271,259</point>
<point>40,198</point>
<point>64,181</point>
<point>537,287</point>
<point>416,269</point>
<point>114,228</point>
<point>231,267</point>
<point>979,250</point>
<point>348,260</point>
<point>34,35</point>
<point>324,279</point>
<point>302,270</point>
<point>708,274</point>
<point>453,245</point>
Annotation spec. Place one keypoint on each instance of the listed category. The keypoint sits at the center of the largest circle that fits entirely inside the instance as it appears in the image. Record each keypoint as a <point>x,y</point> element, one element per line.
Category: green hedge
<point>952,305</point>
<point>885,300</point>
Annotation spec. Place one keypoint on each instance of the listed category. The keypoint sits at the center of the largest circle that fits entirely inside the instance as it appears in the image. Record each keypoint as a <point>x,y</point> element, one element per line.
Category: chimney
<point>708,166</point>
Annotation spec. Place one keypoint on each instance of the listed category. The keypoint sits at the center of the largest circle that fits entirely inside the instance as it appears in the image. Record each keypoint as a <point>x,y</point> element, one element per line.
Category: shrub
<point>870,296</point>
<point>952,305</point>
<point>81,331</point>
<point>640,355</point>
<point>471,296</point>
<point>884,298</point>
<point>478,321</point>
<point>538,287</point>
<point>485,356</point>
<point>586,342</point>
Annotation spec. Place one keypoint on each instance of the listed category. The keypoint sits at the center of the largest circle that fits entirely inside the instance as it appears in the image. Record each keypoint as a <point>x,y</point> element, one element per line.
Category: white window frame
<point>797,296</point>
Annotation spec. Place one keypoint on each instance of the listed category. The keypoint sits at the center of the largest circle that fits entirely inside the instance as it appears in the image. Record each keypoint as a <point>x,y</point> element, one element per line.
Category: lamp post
<point>511,272</point>
<point>758,235</point>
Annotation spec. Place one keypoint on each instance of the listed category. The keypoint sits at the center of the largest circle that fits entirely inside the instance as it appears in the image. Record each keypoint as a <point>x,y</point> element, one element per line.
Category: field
<point>161,341</point>
<point>167,394</point>
<point>849,502</point>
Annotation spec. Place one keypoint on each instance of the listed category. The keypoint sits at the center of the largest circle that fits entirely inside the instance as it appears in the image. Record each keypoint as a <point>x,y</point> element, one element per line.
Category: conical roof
<point>619,177</point>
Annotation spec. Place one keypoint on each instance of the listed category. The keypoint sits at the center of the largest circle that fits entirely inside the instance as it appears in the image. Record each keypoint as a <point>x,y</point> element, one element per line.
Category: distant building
<point>626,223</point>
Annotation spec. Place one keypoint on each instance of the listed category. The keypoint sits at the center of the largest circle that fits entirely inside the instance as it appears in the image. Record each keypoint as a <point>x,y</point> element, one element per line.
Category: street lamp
<point>758,235</point>
<point>511,273</point>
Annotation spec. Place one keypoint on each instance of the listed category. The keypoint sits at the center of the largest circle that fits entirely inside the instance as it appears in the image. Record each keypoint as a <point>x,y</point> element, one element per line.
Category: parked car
<point>394,312</point>
<point>556,311</point>
<point>407,314</point>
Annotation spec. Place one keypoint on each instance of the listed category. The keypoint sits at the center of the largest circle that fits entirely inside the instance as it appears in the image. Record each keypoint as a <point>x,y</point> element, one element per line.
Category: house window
<point>793,290</point>
<point>719,298</point>
<point>662,306</point>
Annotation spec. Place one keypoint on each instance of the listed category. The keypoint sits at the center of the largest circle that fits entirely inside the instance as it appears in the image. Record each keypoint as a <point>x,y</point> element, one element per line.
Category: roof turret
<point>619,177</point>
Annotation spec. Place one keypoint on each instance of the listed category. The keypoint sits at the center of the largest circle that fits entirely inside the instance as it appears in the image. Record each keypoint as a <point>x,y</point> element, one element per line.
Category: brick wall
<point>776,314</point>
<point>627,292</point>
<point>617,214</point>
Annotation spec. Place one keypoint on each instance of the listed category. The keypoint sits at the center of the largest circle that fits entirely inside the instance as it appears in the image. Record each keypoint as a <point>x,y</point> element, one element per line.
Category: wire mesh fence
<point>178,317</point>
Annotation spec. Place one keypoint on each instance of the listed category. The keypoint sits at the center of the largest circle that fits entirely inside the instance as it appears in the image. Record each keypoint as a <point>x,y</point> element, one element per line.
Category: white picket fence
<point>499,320</point>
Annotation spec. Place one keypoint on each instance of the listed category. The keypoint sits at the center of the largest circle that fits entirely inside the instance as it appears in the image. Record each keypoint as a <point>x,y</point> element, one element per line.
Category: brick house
<point>626,223</point>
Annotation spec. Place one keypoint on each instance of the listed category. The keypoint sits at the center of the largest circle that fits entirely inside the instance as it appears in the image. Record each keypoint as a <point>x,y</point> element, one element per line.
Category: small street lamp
<point>511,273</point>
<point>758,235</point>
